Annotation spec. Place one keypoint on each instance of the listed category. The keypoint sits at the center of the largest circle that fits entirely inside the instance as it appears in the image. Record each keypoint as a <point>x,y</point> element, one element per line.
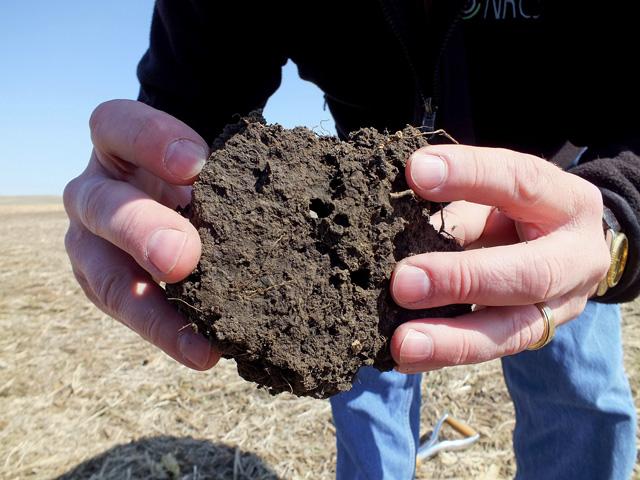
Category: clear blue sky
<point>58,60</point>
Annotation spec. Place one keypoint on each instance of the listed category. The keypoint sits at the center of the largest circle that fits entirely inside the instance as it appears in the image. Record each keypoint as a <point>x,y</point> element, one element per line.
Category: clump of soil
<point>300,234</point>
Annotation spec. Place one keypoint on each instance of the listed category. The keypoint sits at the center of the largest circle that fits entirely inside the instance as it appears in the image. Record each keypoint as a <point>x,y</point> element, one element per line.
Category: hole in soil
<point>399,184</point>
<point>323,209</point>
<point>337,185</point>
<point>335,280</point>
<point>330,159</point>
<point>336,261</point>
<point>219,190</point>
<point>334,258</point>
<point>322,248</point>
<point>263,177</point>
<point>378,166</point>
<point>342,219</point>
<point>361,277</point>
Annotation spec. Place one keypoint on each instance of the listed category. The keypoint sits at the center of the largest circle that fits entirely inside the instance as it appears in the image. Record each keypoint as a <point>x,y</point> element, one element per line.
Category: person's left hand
<point>531,232</point>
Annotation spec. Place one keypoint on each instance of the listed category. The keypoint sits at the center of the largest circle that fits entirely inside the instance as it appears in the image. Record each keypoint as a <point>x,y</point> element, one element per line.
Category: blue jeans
<point>575,417</point>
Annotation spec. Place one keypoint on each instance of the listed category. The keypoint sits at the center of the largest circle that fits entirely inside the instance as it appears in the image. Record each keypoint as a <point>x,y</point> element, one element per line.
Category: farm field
<point>83,397</point>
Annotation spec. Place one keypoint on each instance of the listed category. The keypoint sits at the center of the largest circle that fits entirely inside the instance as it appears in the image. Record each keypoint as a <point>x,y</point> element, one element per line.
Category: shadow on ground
<point>172,458</point>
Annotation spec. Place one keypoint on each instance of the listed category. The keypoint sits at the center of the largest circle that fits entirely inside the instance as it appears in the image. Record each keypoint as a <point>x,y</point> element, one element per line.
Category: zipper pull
<point>429,116</point>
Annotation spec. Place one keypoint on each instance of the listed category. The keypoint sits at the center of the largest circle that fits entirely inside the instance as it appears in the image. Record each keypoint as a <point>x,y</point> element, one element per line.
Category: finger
<point>518,274</point>
<point>124,291</point>
<point>165,193</point>
<point>499,230</point>
<point>490,333</point>
<point>130,134</point>
<point>474,225</point>
<point>526,187</point>
<point>463,221</point>
<point>163,242</point>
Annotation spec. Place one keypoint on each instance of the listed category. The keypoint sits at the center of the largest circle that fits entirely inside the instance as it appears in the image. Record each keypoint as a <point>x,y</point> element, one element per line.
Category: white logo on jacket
<point>502,9</point>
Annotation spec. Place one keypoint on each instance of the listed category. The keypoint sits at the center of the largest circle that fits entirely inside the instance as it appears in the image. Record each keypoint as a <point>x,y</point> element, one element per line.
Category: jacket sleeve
<point>616,171</point>
<point>208,61</point>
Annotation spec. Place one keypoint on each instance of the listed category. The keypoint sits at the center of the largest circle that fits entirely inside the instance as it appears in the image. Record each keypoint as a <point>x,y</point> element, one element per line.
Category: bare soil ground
<point>81,396</point>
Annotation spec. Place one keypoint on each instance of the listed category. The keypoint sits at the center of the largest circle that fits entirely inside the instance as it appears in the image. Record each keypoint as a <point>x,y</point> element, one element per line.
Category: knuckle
<point>529,180</point>
<point>585,201</point>
<point>479,171</point>
<point>462,282</point>
<point>69,243</point>
<point>465,351</point>
<point>127,233</point>
<point>149,325</point>
<point>71,240</point>
<point>75,244</point>
<point>84,284</point>
<point>91,200</point>
<point>111,291</point>
<point>541,278</point>
<point>593,197</point>
<point>69,195</point>
<point>522,332</point>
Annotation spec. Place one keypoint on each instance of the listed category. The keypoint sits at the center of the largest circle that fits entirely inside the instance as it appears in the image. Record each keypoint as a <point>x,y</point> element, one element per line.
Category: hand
<point>124,231</point>
<point>541,229</point>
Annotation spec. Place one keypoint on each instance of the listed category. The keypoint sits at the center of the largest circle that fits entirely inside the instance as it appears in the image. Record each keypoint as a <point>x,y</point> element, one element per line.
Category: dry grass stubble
<point>81,396</point>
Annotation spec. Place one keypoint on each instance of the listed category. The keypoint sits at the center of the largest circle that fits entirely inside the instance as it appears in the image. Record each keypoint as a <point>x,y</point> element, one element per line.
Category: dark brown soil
<point>300,234</point>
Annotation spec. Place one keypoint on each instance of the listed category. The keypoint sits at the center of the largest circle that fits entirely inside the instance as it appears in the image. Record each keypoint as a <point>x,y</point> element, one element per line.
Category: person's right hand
<point>124,233</point>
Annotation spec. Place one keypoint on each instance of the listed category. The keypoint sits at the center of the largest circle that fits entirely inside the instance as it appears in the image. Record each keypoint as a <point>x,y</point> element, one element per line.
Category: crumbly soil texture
<point>300,234</point>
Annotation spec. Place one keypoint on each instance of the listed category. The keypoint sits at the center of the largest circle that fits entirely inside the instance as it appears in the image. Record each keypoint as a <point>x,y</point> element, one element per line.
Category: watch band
<point>609,220</point>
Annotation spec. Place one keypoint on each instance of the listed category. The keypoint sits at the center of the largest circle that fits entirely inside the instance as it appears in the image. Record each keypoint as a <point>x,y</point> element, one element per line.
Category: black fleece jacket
<point>529,75</point>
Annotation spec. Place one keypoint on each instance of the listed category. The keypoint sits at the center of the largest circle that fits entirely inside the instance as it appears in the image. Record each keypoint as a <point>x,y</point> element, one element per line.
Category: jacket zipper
<point>428,104</point>
<point>436,71</point>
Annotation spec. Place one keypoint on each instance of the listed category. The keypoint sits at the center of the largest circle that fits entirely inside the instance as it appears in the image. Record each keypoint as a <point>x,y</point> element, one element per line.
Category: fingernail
<point>195,348</point>
<point>185,158</point>
<point>410,285</point>
<point>416,347</point>
<point>164,248</point>
<point>427,171</point>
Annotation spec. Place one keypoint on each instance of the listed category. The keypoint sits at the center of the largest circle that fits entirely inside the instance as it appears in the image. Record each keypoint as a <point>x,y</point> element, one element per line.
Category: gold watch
<point>619,250</point>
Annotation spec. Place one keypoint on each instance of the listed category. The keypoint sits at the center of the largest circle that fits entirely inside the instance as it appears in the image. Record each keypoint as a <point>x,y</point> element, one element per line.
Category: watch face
<point>619,253</point>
